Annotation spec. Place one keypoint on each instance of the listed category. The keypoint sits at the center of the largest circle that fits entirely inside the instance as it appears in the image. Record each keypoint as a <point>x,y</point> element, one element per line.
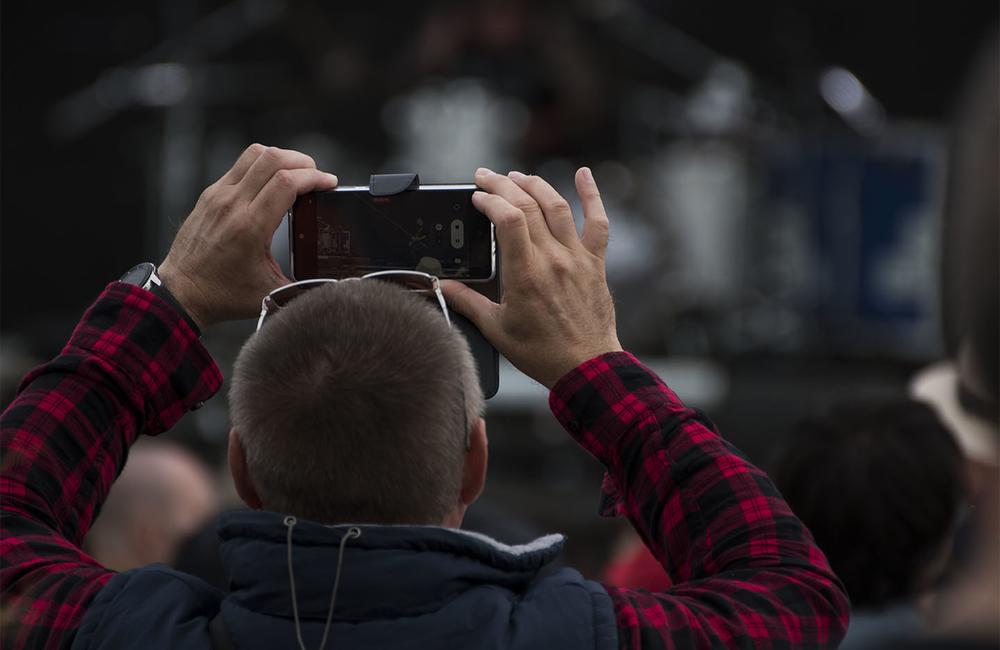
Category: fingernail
<point>478,196</point>
<point>333,177</point>
<point>483,171</point>
<point>587,174</point>
<point>516,175</point>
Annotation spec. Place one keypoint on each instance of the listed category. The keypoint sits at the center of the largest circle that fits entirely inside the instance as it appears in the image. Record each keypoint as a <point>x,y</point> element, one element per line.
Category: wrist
<point>184,294</point>
<point>574,361</point>
<point>162,292</point>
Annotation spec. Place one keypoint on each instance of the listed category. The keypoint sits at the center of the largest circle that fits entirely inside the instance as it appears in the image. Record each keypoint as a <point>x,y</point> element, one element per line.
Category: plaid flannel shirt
<point>746,571</point>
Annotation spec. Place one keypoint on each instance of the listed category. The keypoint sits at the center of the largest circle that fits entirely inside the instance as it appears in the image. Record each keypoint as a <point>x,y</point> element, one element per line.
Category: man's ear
<point>474,473</point>
<point>241,476</point>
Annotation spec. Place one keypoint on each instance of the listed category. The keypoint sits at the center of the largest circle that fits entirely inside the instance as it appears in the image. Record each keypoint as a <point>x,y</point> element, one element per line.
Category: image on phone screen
<point>434,229</point>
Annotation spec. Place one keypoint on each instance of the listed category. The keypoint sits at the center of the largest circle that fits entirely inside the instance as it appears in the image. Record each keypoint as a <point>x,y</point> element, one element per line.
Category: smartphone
<point>349,232</point>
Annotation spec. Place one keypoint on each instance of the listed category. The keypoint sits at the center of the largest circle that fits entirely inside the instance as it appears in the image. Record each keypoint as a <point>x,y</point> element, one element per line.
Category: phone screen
<point>434,229</point>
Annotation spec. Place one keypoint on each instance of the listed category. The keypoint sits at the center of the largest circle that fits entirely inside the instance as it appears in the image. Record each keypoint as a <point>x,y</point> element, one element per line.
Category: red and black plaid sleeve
<point>133,365</point>
<point>746,571</point>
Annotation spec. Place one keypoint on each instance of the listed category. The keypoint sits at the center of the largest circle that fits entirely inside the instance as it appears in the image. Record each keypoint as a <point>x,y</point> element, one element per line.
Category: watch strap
<point>157,289</point>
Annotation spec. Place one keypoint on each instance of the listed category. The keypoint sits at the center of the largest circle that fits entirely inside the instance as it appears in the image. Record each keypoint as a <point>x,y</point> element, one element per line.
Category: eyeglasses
<point>414,281</point>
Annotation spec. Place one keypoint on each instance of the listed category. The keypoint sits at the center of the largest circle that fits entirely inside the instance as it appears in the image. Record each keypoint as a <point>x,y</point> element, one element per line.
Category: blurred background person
<point>162,497</point>
<point>938,387</point>
<point>879,484</point>
<point>966,613</point>
<point>633,566</point>
<point>965,389</point>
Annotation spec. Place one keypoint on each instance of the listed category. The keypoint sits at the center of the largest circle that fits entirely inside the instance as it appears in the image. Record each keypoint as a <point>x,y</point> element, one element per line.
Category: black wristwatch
<point>144,275</point>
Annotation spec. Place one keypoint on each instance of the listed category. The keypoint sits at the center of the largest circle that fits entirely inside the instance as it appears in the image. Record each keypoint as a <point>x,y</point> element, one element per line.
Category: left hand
<point>557,310</point>
<point>220,265</point>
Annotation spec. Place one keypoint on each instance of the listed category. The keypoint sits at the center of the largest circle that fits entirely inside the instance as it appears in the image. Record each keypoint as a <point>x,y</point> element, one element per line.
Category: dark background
<point>75,209</point>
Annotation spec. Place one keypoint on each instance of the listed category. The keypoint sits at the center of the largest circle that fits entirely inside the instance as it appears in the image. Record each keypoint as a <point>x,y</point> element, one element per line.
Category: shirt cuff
<point>592,401</point>
<point>142,338</point>
<point>596,403</point>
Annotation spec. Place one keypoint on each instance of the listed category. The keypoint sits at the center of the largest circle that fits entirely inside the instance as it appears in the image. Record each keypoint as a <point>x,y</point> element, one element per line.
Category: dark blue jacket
<point>401,587</point>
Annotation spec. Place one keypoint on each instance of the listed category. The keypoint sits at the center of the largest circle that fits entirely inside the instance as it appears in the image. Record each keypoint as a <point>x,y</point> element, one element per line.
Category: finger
<point>504,187</point>
<point>267,164</point>
<point>555,208</point>
<point>473,305</point>
<point>511,227</point>
<point>595,219</point>
<point>239,169</point>
<point>278,195</point>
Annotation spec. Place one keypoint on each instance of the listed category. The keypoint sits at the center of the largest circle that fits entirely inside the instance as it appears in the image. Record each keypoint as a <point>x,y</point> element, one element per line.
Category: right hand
<point>220,265</point>
<point>556,310</point>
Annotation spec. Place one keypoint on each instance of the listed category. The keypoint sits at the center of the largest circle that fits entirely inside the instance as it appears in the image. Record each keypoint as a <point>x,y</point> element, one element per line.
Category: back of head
<point>353,404</point>
<point>879,485</point>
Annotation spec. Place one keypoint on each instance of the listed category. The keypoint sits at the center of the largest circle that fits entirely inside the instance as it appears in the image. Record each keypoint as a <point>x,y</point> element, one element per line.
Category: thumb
<point>473,305</point>
<point>278,277</point>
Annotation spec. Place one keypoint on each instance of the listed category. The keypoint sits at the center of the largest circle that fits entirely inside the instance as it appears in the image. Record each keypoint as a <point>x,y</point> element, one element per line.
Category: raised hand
<point>220,265</point>
<point>556,310</point>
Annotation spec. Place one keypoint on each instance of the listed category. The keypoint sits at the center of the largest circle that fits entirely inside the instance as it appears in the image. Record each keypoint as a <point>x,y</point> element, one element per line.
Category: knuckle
<point>215,197</point>
<point>222,207</point>
<point>601,225</point>
<point>561,266</point>
<point>561,269</point>
<point>558,205</point>
<point>239,223</point>
<point>284,178</point>
<point>208,194</point>
<point>525,204</point>
<point>511,215</point>
<point>270,154</point>
<point>256,149</point>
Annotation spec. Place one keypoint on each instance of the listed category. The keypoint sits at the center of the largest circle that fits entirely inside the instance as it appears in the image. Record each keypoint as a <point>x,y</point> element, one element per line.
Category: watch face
<point>138,274</point>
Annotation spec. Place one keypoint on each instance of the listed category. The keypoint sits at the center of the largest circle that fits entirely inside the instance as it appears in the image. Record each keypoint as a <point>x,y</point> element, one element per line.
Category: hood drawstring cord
<point>352,533</point>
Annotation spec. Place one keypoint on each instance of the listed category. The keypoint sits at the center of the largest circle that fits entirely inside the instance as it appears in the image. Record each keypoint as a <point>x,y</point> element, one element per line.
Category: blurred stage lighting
<point>845,94</point>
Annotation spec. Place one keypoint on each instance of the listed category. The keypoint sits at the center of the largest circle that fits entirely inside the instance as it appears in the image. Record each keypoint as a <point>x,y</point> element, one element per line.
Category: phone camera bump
<point>457,234</point>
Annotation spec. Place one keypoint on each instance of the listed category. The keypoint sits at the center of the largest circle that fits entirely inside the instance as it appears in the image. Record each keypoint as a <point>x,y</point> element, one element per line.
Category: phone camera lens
<point>456,207</point>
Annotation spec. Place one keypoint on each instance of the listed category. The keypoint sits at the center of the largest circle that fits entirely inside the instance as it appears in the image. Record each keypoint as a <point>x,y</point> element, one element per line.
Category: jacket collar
<point>388,571</point>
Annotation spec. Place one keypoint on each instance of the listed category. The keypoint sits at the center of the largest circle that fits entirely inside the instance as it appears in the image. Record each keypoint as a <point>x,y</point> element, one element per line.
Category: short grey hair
<point>354,403</point>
